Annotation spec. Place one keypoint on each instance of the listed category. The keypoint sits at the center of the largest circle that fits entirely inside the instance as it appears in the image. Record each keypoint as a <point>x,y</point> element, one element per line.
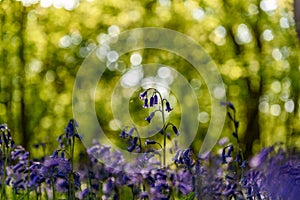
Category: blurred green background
<point>253,43</point>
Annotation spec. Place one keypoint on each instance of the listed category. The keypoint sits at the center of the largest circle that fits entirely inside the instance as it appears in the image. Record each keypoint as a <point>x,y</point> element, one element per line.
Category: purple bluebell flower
<point>260,157</point>
<point>183,181</point>
<point>108,186</point>
<point>239,158</point>
<point>5,137</point>
<point>70,129</point>
<point>17,166</point>
<point>84,193</point>
<point>145,103</point>
<point>155,99</point>
<point>161,189</point>
<point>175,130</point>
<point>17,152</point>
<point>143,94</point>
<point>62,185</point>
<point>130,131</point>
<point>56,167</point>
<point>151,101</point>
<point>168,107</point>
<point>228,104</point>
<point>184,157</point>
<point>148,142</point>
<point>54,154</point>
<point>131,148</point>
<point>123,134</point>
<point>230,150</point>
<point>223,141</point>
<point>149,118</point>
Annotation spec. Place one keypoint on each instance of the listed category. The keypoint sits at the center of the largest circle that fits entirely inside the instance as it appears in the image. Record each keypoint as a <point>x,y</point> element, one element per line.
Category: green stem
<point>238,144</point>
<point>164,125</point>
<point>139,138</point>
<point>3,186</point>
<point>164,132</point>
<point>53,188</point>
<point>46,194</point>
<point>72,193</point>
<point>36,194</point>
<point>14,195</point>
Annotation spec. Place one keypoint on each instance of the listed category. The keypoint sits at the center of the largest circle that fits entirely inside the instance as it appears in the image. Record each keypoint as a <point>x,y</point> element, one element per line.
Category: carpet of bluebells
<point>273,173</point>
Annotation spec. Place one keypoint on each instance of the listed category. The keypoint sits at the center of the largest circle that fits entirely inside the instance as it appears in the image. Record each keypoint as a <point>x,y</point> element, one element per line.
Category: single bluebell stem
<point>71,175</point>
<point>144,94</point>
<point>46,194</point>
<point>3,185</point>
<point>238,141</point>
<point>236,135</point>
<point>6,151</point>
<point>28,178</point>
<point>164,131</point>
<point>139,137</point>
<point>36,194</point>
<point>14,194</point>
<point>164,125</point>
<point>53,187</point>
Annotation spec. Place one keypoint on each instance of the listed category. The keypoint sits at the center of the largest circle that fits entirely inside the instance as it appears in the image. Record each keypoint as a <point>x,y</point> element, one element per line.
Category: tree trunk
<point>24,121</point>
<point>297,16</point>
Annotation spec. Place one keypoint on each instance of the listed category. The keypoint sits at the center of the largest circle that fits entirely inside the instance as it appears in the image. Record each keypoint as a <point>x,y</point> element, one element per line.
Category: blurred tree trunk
<point>294,75</point>
<point>297,16</point>
<point>13,62</point>
<point>5,86</point>
<point>252,132</point>
<point>22,75</point>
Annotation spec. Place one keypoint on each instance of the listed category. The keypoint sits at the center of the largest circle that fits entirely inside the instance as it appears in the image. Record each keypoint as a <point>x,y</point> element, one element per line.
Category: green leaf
<point>190,196</point>
<point>125,193</point>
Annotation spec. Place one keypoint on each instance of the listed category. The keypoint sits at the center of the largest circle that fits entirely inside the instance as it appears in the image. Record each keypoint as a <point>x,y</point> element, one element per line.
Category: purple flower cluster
<point>273,173</point>
<point>25,175</point>
<point>151,182</point>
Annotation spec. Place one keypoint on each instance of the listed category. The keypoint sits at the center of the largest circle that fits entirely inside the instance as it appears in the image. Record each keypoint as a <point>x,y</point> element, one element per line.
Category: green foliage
<point>190,196</point>
<point>42,48</point>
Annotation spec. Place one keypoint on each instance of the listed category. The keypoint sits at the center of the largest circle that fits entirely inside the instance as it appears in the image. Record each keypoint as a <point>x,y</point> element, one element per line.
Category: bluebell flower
<point>17,166</point>
<point>36,179</point>
<point>17,152</point>
<point>70,129</point>
<point>62,185</point>
<point>130,131</point>
<point>155,99</point>
<point>149,142</point>
<point>161,190</point>
<point>54,154</point>
<point>56,167</point>
<point>168,107</point>
<point>5,137</point>
<point>183,181</point>
<point>151,101</point>
<point>144,195</point>
<point>230,150</point>
<point>149,118</point>
<point>259,158</point>
<point>145,103</point>
<point>131,148</point>
<point>175,130</point>
<point>239,158</point>
<point>184,157</point>
<point>123,134</point>
<point>228,104</point>
<point>84,193</point>
<point>143,94</point>
<point>108,186</point>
